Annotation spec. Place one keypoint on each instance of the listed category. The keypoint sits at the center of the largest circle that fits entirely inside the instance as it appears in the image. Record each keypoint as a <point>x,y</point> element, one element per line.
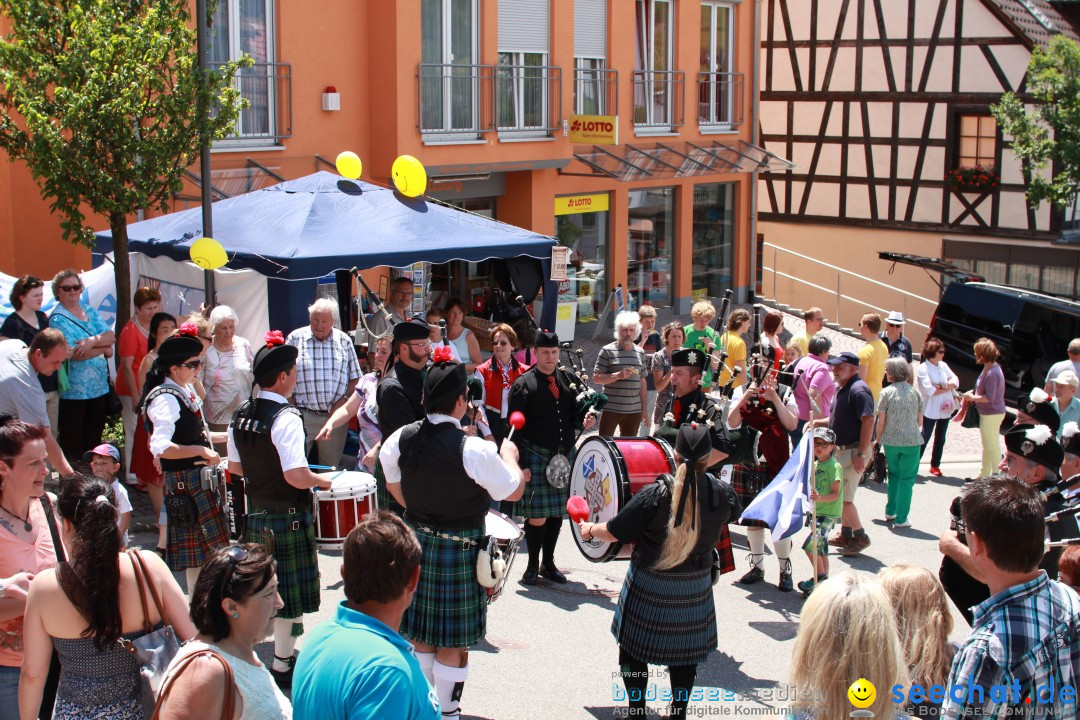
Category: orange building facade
<point>484,93</point>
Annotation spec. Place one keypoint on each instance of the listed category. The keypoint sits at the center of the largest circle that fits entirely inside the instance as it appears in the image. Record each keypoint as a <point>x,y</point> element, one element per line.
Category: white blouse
<point>928,378</point>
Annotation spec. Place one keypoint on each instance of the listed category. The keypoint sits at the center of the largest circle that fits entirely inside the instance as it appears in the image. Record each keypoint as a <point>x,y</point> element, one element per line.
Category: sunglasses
<point>192,364</point>
<point>235,555</point>
<point>70,288</point>
<point>500,342</point>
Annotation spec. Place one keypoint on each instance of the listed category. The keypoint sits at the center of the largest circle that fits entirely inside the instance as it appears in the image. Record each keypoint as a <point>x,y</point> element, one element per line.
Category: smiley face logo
<point>862,693</point>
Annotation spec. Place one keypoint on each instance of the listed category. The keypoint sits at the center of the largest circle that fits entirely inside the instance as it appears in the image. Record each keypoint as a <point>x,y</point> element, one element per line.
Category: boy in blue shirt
<point>356,666</point>
<point>827,495</point>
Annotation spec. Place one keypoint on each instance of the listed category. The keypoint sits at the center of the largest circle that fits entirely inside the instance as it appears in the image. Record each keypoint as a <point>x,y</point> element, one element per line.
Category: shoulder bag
<point>155,650</point>
<point>228,705</point>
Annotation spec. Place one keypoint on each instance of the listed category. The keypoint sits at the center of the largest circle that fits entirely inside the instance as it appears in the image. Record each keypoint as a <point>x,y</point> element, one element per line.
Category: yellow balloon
<point>208,254</point>
<point>349,165</point>
<point>409,176</point>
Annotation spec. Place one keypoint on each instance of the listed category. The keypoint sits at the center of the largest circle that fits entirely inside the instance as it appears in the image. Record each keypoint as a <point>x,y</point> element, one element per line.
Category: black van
<point>1031,330</point>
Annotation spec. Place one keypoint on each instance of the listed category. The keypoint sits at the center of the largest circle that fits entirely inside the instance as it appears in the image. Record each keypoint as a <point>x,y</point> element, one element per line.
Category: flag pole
<point>813,503</point>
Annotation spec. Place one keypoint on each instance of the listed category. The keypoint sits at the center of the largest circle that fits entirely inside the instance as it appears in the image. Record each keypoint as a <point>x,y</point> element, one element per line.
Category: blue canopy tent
<point>301,230</point>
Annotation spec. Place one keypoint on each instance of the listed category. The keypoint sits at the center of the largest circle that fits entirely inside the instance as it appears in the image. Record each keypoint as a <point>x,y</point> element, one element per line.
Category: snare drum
<point>235,503</point>
<point>505,535</point>
<point>339,509</point>
<point>607,472</point>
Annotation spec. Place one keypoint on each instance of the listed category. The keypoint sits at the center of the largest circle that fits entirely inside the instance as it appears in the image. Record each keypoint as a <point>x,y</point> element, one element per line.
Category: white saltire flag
<point>784,502</point>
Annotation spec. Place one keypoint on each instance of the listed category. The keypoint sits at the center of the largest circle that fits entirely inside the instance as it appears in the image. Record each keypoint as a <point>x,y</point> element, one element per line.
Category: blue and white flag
<point>784,502</point>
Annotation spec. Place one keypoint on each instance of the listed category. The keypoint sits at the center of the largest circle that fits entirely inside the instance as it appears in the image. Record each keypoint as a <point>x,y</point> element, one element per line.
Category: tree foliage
<point>104,102</point>
<point>1047,135</point>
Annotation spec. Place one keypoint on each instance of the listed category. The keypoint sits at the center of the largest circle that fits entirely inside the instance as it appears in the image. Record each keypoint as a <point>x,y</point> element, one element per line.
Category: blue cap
<point>845,357</point>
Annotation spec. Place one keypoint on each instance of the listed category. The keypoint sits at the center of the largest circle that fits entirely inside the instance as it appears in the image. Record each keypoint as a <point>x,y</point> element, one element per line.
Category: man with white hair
<point>327,373</point>
<point>1072,363</point>
<point>620,368</point>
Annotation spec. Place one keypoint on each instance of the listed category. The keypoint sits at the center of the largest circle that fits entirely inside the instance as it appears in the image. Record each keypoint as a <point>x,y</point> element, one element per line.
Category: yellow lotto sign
<point>574,204</point>
<point>594,129</point>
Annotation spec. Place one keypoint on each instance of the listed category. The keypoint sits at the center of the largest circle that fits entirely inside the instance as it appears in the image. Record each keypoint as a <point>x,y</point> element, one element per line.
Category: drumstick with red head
<point>517,421</point>
<point>577,508</point>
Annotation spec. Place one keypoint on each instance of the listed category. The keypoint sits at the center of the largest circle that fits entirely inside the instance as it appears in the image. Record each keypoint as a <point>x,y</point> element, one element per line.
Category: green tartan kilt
<point>296,556</point>
<point>449,608</point>
<point>540,499</point>
<point>386,500</point>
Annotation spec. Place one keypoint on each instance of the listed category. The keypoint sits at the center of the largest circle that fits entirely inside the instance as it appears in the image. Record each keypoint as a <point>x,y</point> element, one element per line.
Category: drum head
<point>599,476</point>
<point>501,527</point>
<point>347,484</point>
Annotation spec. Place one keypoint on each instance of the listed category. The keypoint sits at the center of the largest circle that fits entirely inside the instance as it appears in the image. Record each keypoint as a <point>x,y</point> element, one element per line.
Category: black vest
<point>438,492</point>
<point>266,482</point>
<point>188,430</point>
<point>716,505</point>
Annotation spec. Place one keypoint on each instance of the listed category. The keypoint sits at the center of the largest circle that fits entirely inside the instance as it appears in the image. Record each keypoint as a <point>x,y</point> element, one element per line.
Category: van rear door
<point>968,312</point>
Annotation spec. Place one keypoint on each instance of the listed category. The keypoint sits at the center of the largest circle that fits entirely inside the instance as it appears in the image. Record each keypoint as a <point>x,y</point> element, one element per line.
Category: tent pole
<point>203,43</point>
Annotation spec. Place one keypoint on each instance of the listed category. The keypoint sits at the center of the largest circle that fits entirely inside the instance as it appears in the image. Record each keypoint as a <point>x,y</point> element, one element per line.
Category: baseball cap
<point>102,449</point>
<point>845,357</point>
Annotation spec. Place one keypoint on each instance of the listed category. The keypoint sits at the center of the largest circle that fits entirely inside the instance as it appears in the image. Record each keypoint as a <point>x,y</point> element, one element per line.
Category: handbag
<point>877,468</point>
<point>181,510</point>
<point>155,650</point>
<point>971,416</point>
<point>228,706</point>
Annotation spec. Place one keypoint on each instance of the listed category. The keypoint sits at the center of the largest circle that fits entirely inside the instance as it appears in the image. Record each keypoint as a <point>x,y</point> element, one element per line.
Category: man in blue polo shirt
<point>356,666</point>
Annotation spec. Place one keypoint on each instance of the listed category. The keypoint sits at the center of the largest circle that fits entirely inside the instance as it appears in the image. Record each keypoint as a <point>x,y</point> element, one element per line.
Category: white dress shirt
<point>287,435</point>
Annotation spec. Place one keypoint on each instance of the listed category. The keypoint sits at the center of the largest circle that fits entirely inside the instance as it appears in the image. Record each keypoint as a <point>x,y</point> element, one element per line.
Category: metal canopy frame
<point>630,167</point>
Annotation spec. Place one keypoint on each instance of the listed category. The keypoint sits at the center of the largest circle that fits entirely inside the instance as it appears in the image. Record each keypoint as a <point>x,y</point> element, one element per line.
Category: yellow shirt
<point>874,354</point>
<point>736,349</point>
<point>803,341</point>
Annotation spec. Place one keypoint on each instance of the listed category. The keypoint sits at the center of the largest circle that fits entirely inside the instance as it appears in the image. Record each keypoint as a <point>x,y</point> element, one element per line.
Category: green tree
<point>104,102</point>
<point>1048,134</point>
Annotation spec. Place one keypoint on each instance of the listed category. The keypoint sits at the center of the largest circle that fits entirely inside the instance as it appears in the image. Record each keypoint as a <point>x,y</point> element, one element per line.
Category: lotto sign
<point>575,204</point>
<point>594,129</point>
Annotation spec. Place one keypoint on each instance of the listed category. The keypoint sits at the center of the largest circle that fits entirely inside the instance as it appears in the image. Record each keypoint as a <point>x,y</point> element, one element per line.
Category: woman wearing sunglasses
<point>182,444</point>
<point>83,406</point>
<point>233,607</point>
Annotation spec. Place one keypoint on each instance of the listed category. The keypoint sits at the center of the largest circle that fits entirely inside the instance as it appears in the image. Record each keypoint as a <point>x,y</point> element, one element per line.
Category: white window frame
<point>518,84</point>
<point>655,119</point>
<point>597,78</point>
<point>270,137</point>
<point>712,116</point>
<point>447,131</point>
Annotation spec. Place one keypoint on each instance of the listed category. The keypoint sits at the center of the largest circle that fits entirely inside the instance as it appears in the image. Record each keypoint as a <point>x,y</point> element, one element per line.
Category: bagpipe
<point>377,303</point>
<point>1062,525</point>
<point>588,399</point>
<point>720,328</point>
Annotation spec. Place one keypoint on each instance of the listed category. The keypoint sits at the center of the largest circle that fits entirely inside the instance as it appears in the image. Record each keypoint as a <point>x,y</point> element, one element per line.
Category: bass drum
<point>607,472</point>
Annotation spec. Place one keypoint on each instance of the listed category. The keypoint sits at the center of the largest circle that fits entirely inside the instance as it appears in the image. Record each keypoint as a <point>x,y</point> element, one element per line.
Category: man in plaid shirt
<point>1023,654</point>
<point>327,375</point>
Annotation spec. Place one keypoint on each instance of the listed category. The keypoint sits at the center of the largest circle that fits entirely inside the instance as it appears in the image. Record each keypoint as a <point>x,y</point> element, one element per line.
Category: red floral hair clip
<point>188,329</point>
<point>274,338</point>
<point>442,354</point>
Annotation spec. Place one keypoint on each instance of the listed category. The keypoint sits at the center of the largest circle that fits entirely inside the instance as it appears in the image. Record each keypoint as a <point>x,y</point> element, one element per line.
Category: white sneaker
<point>902,525</point>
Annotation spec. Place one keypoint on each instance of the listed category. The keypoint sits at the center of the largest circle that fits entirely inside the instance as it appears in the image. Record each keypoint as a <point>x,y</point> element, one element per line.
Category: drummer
<point>675,523</point>
<point>266,445</point>
<point>401,390</point>
<point>543,395</point>
<point>446,479</point>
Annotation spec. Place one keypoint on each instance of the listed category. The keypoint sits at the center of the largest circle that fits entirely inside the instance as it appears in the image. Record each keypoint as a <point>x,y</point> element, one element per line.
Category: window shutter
<point>590,28</point>
<point>524,25</point>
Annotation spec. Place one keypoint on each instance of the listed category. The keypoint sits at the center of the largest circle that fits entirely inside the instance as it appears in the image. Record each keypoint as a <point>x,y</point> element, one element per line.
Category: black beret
<point>1070,439</point>
<point>274,357</point>
<point>546,338</point>
<point>177,348</point>
<point>688,357</point>
<point>413,329</point>
<point>444,380</point>
<point>1035,443</point>
<point>693,441</point>
<point>1041,408</point>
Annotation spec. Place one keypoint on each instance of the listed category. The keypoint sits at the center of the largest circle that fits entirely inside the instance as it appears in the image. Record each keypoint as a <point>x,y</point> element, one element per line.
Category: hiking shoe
<point>857,545</point>
<point>839,540</point>
<point>755,574</point>
<point>785,584</point>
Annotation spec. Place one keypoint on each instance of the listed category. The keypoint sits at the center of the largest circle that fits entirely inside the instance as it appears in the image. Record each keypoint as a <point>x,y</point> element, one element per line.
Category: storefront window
<point>586,234</point>
<point>713,236</point>
<point>652,237</point>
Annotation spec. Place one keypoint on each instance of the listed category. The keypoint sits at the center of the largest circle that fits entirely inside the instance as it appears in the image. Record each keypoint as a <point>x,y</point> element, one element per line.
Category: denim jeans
<point>9,693</point>
<point>938,428</point>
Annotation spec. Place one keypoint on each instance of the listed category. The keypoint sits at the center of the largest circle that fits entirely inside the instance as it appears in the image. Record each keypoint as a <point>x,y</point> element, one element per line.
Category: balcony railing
<point>268,89</point>
<point>528,99</point>
<point>455,100</point>
<point>659,98</point>
<point>596,91</point>
<point>720,99</point>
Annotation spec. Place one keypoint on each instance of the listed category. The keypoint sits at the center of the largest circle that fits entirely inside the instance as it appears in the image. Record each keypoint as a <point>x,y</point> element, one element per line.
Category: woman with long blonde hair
<point>848,632</point>
<point>666,614</point>
<point>923,622</point>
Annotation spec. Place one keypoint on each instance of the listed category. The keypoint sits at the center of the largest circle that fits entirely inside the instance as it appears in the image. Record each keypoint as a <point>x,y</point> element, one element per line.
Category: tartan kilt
<point>727,557</point>
<point>296,556</point>
<point>747,481</point>
<point>190,547</point>
<point>540,499</point>
<point>666,618</point>
<point>449,608</point>
<point>386,500</point>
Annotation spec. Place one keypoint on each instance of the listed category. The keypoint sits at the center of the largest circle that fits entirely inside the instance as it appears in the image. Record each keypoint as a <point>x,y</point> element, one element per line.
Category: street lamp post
<point>203,48</point>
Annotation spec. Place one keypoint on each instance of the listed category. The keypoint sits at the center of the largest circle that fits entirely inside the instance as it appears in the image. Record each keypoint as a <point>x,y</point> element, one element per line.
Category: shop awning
<point>675,160</point>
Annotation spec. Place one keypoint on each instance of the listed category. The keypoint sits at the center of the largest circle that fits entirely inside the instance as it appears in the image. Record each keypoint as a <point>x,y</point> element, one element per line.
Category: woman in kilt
<point>179,440</point>
<point>552,416</point>
<point>666,614</point>
<point>446,480</point>
<point>266,446</point>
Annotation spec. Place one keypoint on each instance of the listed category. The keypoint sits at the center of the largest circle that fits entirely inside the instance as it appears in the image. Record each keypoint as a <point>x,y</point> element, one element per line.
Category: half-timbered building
<point>880,103</point>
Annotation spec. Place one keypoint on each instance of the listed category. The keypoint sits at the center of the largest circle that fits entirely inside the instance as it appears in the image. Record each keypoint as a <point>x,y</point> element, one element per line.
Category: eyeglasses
<point>500,342</point>
<point>192,364</point>
<point>70,288</point>
<point>423,344</point>
<point>235,555</point>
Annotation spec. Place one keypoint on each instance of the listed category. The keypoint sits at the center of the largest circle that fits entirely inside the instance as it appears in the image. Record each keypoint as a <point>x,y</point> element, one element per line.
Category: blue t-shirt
<point>355,667</point>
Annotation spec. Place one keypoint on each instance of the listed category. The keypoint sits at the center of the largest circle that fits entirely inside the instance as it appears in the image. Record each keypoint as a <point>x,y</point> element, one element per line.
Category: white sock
<point>284,642</point>
<point>449,682</point>
<point>756,537</point>
<point>192,575</point>
<point>783,554</point>
<point>426,660</point>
